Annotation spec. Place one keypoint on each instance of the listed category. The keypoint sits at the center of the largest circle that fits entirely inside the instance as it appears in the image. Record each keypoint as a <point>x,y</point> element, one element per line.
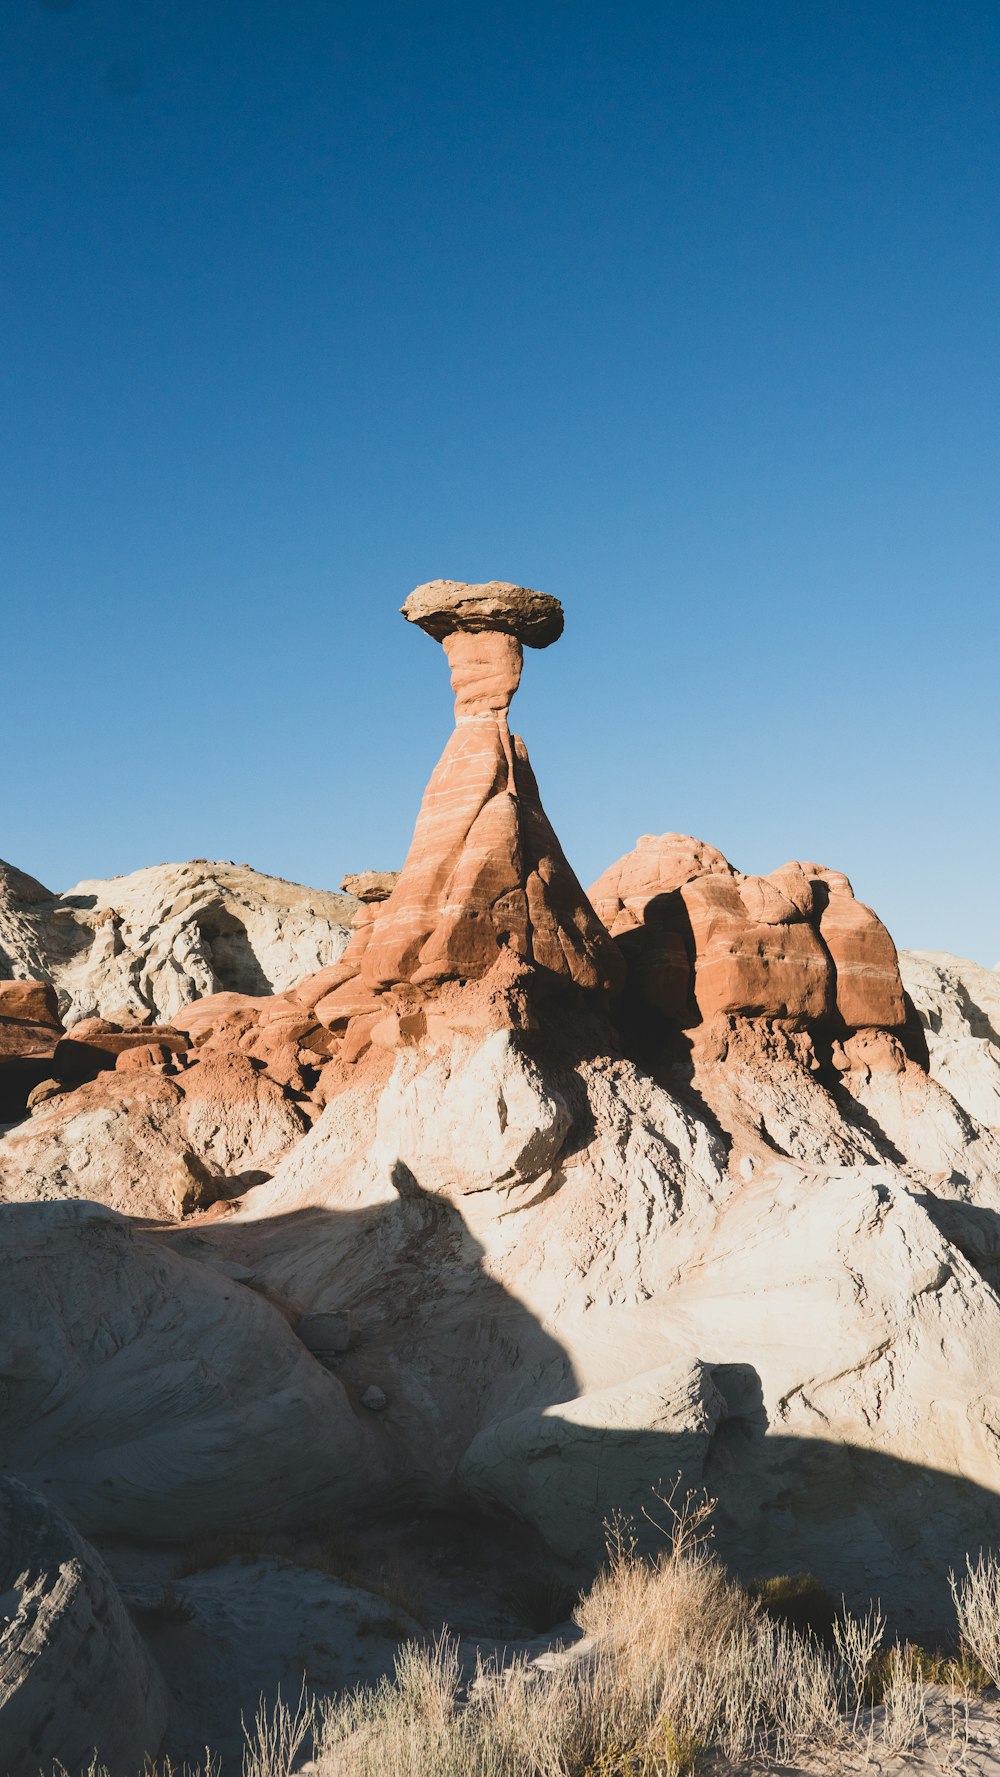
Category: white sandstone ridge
<point>147,944</point>
<point>959,1007</point>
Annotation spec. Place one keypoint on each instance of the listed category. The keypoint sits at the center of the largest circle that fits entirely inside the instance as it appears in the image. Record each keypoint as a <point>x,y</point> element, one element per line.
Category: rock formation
<point>485,874</point>
<point>959,1007</point>
<point>704,940</point>
<point>159,1396</point>
<point>512,1262</point>
<point>30,1032</point>
<point>140,947</point>
<point>74,1673</point>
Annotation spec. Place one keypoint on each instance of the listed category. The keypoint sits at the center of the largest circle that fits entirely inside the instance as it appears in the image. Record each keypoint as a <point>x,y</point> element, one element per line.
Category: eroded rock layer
<point>485,874</point>
<point>703,940</point>
<point>142,946</point>
<point>508,1262</point>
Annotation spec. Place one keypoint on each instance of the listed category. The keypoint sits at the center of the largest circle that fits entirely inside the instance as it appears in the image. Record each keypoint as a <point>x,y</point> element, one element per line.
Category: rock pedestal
<point>485,873</point>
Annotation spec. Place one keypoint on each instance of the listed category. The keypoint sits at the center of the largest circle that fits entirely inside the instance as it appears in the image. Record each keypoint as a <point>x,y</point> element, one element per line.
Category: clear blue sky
<point>688,314</point>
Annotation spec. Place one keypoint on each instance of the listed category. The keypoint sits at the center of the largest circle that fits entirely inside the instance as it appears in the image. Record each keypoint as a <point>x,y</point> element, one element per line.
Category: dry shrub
<point>904,1701</point>
<point>800,1600</point>
<point>278,1736</point>
<point>977,1606</point>
<point>680,1659</point>
<point>151,1768</point>
<point>858,1641</point>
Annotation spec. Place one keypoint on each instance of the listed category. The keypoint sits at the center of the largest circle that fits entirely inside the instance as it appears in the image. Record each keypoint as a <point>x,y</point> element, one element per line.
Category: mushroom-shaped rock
<point>443,606</point>
<point>485,872</point>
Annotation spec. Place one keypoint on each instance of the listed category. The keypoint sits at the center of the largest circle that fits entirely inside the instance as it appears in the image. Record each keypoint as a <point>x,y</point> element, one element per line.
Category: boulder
<point>75,1673</point>
<point>443,606</point>
<point>462,1122</point>
<point>371,885</point>
<point>570,1468</point>
<point>30,1025</point>
<point>30,1030</point>
<point>95,1046</point>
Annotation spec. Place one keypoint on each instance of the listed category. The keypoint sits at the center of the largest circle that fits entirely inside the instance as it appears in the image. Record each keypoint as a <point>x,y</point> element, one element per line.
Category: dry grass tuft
<point>681,1667</point>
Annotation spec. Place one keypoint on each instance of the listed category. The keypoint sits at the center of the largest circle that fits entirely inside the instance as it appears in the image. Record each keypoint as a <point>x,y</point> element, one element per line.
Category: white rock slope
<point>959,1007</point>
<point>152,942</point>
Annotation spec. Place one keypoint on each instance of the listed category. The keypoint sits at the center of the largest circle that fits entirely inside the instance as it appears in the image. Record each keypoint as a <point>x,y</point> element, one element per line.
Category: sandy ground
<point>966,1744</point>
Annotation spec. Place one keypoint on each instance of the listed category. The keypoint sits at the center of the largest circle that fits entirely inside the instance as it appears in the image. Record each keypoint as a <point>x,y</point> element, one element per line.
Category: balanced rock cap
<point>443,606</point>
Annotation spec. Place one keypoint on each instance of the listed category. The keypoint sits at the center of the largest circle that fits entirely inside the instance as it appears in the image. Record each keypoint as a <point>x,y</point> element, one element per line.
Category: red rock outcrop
<point>485,874</point>
<point>30,1025</point>
<point>30,1029</point>
<point>95,1045</point>
<point>703,941</point>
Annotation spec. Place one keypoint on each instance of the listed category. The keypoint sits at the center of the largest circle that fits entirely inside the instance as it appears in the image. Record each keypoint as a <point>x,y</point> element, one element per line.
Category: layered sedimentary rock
<point>30,1031</point>
<point>485,874</point>
<point>588,1283</point>
<point>703,940</point>
<point>157,1396</point>
<point>502,1263</point>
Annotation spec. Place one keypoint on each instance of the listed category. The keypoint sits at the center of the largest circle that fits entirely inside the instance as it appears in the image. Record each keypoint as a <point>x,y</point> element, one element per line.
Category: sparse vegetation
<point>543,1602</point>
<point>800,1600</point>
<point>682,1671</point>
<point>977,1606</point>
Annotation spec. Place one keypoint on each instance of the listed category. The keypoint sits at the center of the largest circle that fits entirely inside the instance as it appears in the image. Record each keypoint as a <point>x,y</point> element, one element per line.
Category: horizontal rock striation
<point>485,885</point>
<point>703,940</point>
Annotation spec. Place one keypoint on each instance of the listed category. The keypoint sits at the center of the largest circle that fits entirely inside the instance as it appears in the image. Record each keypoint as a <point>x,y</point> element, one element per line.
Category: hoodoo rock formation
<point>485,874</point>
<point>650,1185</point>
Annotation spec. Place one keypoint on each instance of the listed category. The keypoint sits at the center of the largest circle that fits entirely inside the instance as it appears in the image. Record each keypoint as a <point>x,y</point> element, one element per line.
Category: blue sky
<point>687,314</point>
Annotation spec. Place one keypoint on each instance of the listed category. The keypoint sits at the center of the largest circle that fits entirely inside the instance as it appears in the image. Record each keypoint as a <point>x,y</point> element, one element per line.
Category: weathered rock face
<point>704,941</point>
<point>588,1285</point>
<point>505,1258</point>
<point>143,946</point>
<point>130,1137</point>
<point>153,1395</point>
<point>74,1672</point>
<point>371,885</point>
<point>485,873</point>
<point>958,1004</point>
